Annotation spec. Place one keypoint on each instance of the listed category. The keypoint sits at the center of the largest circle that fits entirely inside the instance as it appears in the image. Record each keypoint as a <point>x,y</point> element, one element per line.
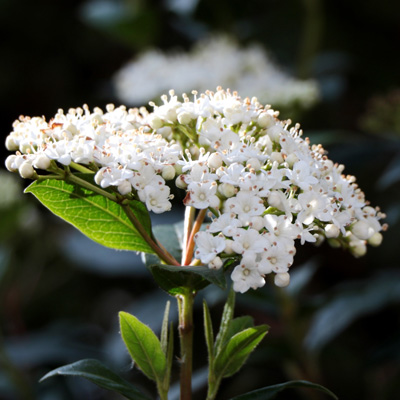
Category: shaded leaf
<point>236,351</point>
<point>143,346</point>
<point>237,325</point>
<point>99,374</point>
<point>227,315</point>
<point>176,279</point>
<point>99,218</point>
<point>270,392</point>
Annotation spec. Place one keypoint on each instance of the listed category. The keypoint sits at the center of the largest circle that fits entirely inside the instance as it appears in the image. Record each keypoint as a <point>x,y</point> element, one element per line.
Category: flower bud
<point>276,156</point>
<point>164,131</point>
<point>358,249</point>
<point>274,132</point>
<point>180,182</point>
<point>282,279</point>
<point>257,223</point>
<point>334,243</point>
<point>274,199</point>
<point>155,121</point>
<point>216,263</point>
<point>362,230</point>
<point>228,247</point>
<point>184,118</point>
<point>98,177</point>
<point>214,161</point>
<point>26,170</point>
<point>253,163</point>
<point>10,163</point>
<point>168,172</point>
<point>125,187</point>
<point>178,168</point>
<point>227,190</point>
<point>291,159</point>
<point>331,231</point>
<point>42,162</point>
<point>10,144</point>
<point>376,239</point>
<point>265,120</point>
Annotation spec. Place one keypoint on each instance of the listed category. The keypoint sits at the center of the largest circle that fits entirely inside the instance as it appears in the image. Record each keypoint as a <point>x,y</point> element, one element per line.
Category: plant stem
<point>190,244</point>
<point>185,309</point>
<point>187,228</point>
<point>81,168</point>
<point>162,253</point>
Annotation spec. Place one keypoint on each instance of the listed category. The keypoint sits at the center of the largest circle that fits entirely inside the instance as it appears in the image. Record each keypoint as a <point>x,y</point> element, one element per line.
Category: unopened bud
<point>332,231</point>
<point>227,190</point>
<point>26,170</point>
<point>184,118</point>
<point>214,161</point>
<point>155,121</point>
<point>216,263</point>
<point>376,239</point>
<point>253,163</point>
<point>276,156</point>
<point>164,131</point>
<point>10,163</point>
<point>291,159</point>
<point>265,120</point>
<point>42,162</point>
<point>180,182</point>
<point>362,230</point>
<point>274,199</point>
<point>274,132</point>
<point>282,279</point>
<point>168,172</point>
<point>10,144</point>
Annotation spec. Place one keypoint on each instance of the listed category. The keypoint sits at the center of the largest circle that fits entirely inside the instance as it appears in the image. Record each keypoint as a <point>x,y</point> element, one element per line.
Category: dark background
<point>337,324</point>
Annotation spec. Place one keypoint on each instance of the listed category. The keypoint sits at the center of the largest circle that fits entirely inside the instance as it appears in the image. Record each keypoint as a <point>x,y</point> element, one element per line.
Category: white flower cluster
<point>212,62</point>
<point>265,185</point>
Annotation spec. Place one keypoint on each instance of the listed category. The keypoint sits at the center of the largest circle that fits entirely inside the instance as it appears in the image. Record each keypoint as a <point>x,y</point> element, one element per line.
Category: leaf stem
<point>81,168</point>
<point>185,310</point>
<point>187,228</point>
<point>190,244</point>
<point>161,252</point>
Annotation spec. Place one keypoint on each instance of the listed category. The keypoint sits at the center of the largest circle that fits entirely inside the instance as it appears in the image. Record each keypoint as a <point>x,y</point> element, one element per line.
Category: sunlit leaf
<point>99,218</point>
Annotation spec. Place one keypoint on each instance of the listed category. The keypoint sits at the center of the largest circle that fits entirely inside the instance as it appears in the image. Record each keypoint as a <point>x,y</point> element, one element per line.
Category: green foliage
<point>144,347</point>
<point>99,374</point>
<point>99,218</point>
<point>237,349</point>
<point>270,392</point>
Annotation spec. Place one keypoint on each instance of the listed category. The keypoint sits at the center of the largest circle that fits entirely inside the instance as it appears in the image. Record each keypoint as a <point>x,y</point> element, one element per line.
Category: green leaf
<point>236,351</point>
<point>237,325</point>
<point>99,374</point>
<point>208,331</point>
<point>177,279</point>
<point>270,392</point>
<point>226,319</point>
<point>96,216</point>
<point>143,346</point>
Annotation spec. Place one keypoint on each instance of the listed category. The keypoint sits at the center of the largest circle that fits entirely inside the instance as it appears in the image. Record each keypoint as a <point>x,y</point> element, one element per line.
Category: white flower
<point>275,259</point>
<point>225,223</point>
<point>248,241</point>
<point>246,275</point>
<point>245,205</point>
<point>208,246</point>
<point>202,195</point>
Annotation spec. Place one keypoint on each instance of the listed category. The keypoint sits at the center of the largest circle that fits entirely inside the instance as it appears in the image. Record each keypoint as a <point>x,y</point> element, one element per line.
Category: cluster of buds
<point>265,186</point>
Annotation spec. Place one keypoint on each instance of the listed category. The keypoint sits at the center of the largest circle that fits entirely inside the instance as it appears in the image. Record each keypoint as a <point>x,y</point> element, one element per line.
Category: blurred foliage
<point>338,322</point>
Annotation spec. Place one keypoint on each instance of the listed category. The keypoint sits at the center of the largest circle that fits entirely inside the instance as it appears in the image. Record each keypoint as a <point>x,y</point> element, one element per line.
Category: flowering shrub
<point>217,60</point>
<point>264,186</point>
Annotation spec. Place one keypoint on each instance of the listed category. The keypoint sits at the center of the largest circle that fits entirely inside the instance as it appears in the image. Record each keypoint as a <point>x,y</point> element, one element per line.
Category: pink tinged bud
<point>282,279</point>
<point>168,172</point>
<point>331,231</point>
<point>362,230</point>
<point>26,170</point>
<point>180,182</point>
<point>9,163</point>
<point>376,239</point>
<point>216,263</point>
<point>42,162</point>
<point>214,161</point>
